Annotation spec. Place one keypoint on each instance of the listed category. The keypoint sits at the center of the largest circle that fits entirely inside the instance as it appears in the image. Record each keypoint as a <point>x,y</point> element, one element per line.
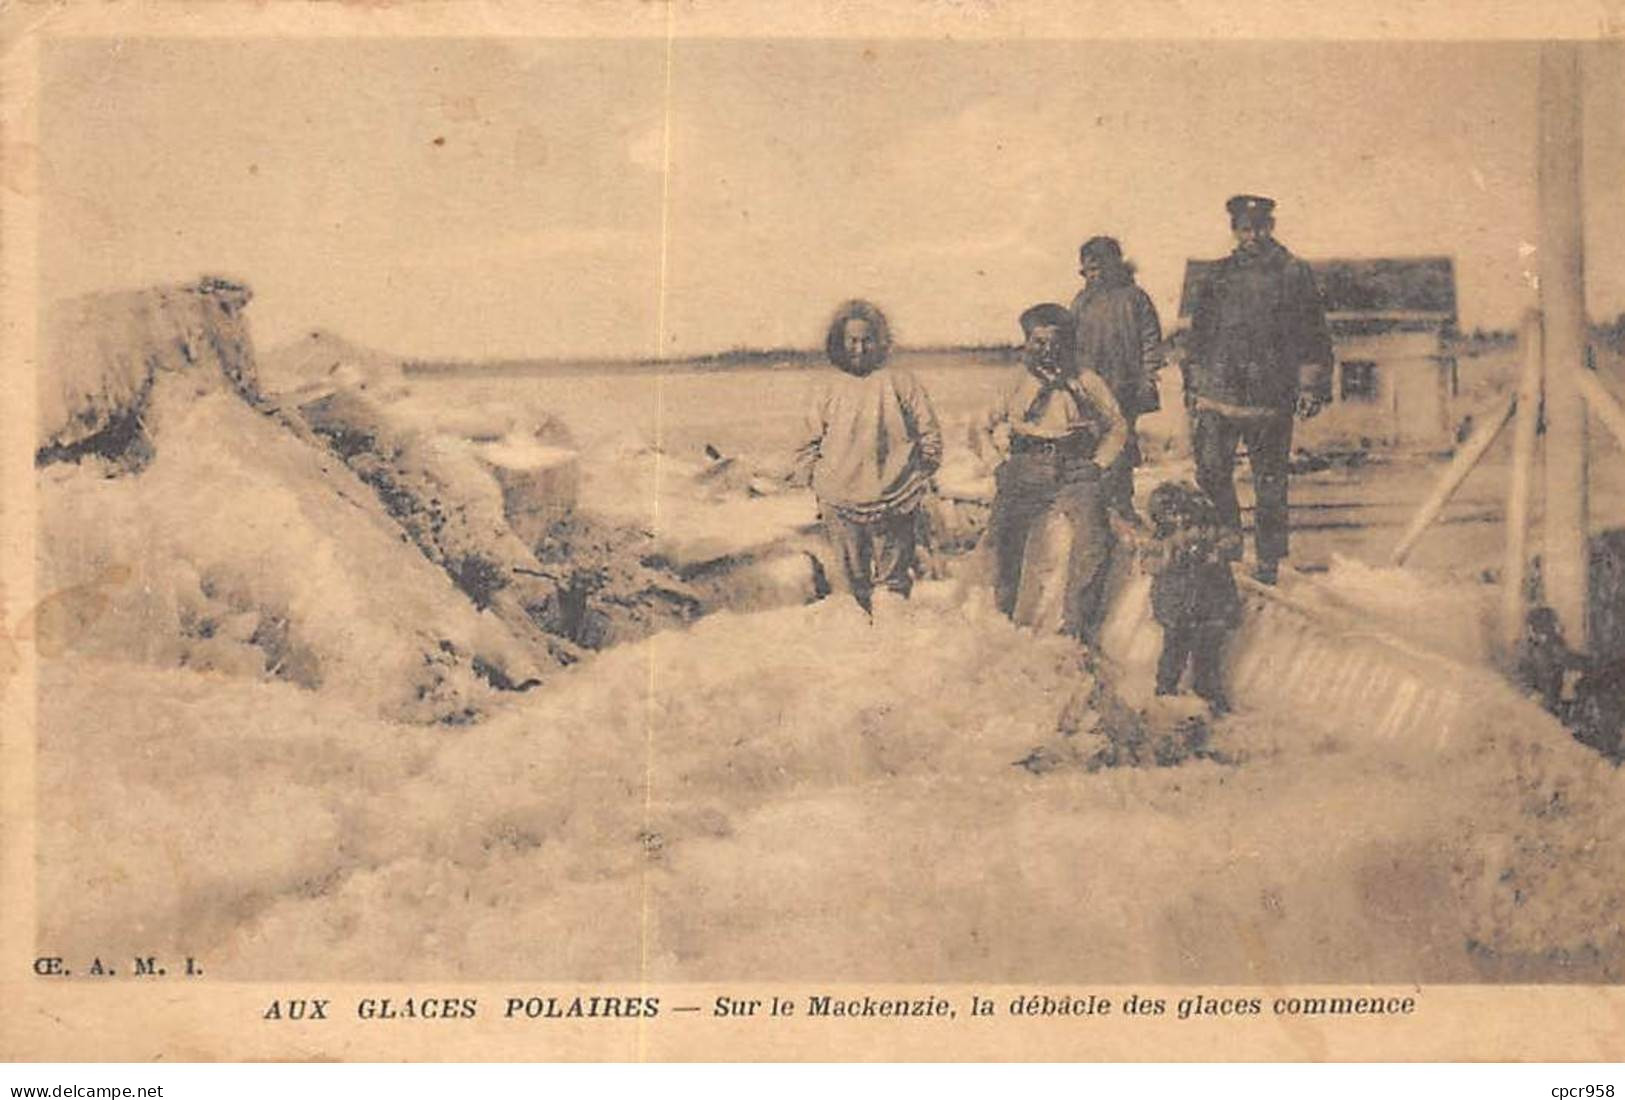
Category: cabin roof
<point>1419,288</point>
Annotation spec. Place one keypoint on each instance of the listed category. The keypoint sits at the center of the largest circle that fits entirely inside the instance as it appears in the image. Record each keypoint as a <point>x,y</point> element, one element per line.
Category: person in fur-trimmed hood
<point>871,444</point>
<point>1119,337</point>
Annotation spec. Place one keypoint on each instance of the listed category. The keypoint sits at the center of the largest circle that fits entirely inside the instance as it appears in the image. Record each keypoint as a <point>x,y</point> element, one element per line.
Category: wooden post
<point>1604,404</point>
<point>1562,303</point>
<point>1515,567</point>
<point>1460,467</point>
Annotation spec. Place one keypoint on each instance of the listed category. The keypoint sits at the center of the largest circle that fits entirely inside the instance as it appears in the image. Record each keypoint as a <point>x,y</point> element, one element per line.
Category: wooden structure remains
<point>1556,390</point>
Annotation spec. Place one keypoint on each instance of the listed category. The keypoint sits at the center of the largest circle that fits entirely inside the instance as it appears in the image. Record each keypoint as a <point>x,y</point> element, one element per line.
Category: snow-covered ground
<point>299,769</point>
<point>801,794</point>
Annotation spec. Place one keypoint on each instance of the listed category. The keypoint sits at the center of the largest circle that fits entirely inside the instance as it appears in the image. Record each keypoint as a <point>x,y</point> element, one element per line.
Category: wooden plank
<point>1562,302</point>
<point>1462,465</point>
<point>1515,565</point>
<point>1606,407</point>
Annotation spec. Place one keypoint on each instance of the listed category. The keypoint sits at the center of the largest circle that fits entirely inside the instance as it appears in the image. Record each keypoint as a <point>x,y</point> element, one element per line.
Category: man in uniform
<point>1259,353</point>
<point>1119,337</point>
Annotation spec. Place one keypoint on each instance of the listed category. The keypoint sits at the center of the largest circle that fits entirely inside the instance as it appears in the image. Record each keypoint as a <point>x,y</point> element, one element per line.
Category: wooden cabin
<point>1394,381</point>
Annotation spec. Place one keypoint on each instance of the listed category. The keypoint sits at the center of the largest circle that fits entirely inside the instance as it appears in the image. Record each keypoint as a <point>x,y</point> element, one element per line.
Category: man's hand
<point>1045,373</point>
<point>1314,389</point>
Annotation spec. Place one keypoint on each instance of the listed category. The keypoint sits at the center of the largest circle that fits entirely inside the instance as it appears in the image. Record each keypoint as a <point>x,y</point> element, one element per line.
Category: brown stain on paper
<point>58,620</point>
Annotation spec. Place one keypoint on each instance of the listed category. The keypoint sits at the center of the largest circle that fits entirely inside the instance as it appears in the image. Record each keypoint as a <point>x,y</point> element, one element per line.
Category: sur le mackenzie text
<point>865,1006</point>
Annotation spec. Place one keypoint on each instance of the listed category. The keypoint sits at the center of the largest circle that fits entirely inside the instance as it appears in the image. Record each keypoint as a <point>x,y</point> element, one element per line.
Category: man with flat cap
<point>1119,337</point>
<point>1059,430</point>
<point>1259,354</point>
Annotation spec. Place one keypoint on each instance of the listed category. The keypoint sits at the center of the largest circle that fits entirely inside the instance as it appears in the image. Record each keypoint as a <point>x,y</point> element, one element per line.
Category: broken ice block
<point>539,483</point>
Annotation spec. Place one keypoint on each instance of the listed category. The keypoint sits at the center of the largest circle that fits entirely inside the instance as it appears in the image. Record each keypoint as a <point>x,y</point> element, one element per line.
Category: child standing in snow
<point>1193,592</point>
<point>870,448</point>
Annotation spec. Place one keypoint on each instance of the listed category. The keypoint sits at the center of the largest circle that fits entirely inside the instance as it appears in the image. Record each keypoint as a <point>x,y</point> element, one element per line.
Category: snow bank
<point>559,805</point>
<point>242,551</point>
<point>800,794</point>
<point>499,518</point>
<point>104,353</point>
<point>1451,615</point>
<point>432,484</point>
<point>695,512</point>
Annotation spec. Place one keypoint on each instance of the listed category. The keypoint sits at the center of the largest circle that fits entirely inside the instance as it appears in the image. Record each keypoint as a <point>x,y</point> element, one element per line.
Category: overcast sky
<point>481,198</point>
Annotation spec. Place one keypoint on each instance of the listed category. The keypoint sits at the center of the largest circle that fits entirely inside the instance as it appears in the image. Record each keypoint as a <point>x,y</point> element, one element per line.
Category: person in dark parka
<point>1119,337</point>
<point>1259,353</point>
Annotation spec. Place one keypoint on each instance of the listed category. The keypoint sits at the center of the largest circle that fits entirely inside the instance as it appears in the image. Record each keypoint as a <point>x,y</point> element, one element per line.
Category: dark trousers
<point>874,553</point>
<point>1269,445</point>
<point>1029,485</point>
<point>1119,487</point>
<point>1200,645</point>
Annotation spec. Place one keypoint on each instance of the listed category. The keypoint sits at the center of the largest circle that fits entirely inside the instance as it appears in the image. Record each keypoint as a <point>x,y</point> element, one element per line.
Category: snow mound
<point>104,352</point>
<point>743,797</point>
<point>242,551</point>
<point>1451,615</point>
<point>612,769</point>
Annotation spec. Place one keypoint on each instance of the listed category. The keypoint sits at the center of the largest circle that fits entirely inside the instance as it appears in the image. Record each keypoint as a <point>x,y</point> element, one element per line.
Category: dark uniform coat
<point>1257,320</point>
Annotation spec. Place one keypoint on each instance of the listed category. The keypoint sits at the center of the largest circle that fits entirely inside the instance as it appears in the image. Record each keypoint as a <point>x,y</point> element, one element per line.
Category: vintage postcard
<point>692,530</point>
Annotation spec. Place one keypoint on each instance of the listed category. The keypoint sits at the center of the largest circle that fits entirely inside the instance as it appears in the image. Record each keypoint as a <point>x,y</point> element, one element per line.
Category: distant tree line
<point>1608,334</point>
<point>730,358</point>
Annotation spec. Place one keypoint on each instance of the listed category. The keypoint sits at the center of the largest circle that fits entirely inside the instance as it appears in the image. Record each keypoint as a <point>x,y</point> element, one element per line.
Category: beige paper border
<point>50,1020</point>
